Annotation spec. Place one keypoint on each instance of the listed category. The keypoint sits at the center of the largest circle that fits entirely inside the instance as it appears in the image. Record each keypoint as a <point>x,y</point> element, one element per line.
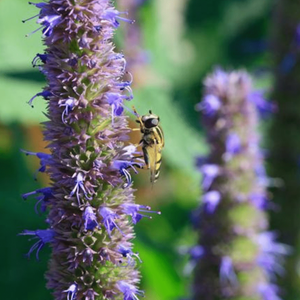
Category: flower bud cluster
<point>237,258</point>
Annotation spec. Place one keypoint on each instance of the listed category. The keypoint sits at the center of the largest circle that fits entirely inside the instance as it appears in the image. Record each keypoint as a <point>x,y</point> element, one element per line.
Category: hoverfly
<point>152,142</point>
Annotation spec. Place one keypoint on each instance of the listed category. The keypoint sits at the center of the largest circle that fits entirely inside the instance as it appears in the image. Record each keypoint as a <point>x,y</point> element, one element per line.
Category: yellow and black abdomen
<point>153,143</point>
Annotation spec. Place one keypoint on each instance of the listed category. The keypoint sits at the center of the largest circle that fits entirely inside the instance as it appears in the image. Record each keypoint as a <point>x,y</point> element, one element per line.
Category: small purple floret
<point>233,144</point>
<point>71,291</point>
<point>209,105</point>
<point>196,252</point>
<point>115,100</point>
<point>209,173</point>
<point>130,291</point>
<point>134,210</point>
<point>45,94</point>
<point>44,236</point>
<point>45,160</point>
<point>49,22</point>
<point>122,166</point>
<point>211,200</point>
<point>129,254</point>
<point>227,273</point>
<point>112,15</point>
<point>79,185</point>
<point>39,57</point>
<point>272,253</point>
<point>69,104</point>
<point>268,291</point>
<point>90,219</point>
<point>109,218</point>
<point>43,199</point>
<point>264,107</point>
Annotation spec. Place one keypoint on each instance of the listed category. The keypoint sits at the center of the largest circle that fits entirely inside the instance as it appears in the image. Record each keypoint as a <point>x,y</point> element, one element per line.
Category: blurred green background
<point>183,40</point>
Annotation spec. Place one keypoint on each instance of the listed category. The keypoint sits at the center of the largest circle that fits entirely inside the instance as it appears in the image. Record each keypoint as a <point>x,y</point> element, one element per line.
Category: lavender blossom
<point>239,257</point>
<point>90,200</point>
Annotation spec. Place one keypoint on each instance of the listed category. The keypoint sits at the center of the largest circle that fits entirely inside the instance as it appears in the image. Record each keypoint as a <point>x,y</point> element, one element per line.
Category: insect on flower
<point>152,142</point>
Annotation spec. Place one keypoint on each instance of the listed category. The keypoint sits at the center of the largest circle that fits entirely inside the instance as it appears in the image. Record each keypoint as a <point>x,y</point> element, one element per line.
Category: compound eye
<point>154,122</point>
<point>151,123</point>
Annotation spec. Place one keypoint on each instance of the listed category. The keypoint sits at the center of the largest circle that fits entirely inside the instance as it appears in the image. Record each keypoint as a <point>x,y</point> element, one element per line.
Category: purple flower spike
<point>44,236</point>
<point>210,105</point>
<point>71,291</point>
<point>109,220</point>
<point>130,291</point>
<point>90,219</point>
<point>90,161</point>
<point>209,173</point>
<point>79,185</point>
<point>234,184</point>
<point>211,201</point>
<point>134,210</point>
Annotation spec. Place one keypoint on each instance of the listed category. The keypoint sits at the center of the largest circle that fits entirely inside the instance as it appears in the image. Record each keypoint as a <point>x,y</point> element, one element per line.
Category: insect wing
<point>153,160</point>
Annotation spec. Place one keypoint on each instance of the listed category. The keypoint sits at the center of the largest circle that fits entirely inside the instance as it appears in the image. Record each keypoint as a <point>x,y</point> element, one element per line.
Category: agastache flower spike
<point>232,214</point>
<point>90,199</point>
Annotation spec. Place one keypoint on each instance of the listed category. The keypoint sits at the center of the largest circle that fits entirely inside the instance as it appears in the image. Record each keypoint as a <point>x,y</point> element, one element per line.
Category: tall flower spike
<point>240,259</point>
<point>91,195</point>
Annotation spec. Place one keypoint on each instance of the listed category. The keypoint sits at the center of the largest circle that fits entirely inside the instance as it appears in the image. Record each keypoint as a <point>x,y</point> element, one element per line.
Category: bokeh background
<point>170,48</point>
